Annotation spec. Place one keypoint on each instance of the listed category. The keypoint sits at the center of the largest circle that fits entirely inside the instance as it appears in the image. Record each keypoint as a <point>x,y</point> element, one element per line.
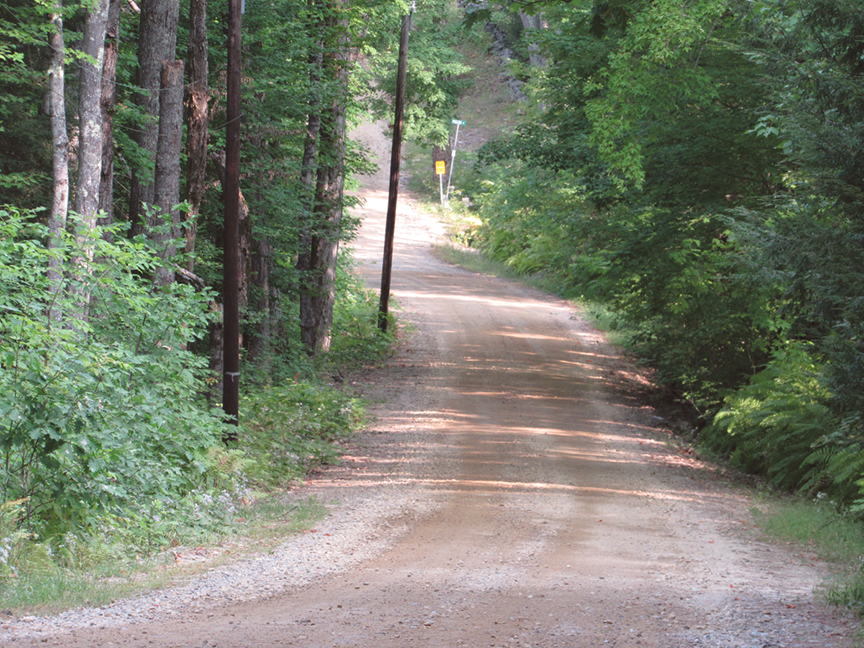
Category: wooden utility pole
<point>395,158</point>
<point>231,188</point>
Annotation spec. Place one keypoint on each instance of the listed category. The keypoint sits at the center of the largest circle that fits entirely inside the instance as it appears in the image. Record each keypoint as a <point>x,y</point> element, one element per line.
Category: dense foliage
<point>105,430</point>
<point>99,417</point>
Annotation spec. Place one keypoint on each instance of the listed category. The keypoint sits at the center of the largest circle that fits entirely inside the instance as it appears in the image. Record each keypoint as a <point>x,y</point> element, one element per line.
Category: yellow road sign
<point>440,167</point>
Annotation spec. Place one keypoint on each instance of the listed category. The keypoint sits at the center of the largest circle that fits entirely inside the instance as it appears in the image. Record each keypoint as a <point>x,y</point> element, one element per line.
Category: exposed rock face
<point>501,49</point>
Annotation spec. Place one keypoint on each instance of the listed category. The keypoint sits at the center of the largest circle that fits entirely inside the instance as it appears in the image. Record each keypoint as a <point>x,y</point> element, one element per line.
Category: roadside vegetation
<point>696,174</point>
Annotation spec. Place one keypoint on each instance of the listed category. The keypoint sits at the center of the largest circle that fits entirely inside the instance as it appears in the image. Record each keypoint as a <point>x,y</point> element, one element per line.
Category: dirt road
<point>513,493</point>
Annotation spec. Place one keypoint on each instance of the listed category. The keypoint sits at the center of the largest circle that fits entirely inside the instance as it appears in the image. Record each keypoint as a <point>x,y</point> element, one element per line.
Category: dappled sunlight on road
<point>474,298</point>
<point>543,466</point>
<point>563,443</point>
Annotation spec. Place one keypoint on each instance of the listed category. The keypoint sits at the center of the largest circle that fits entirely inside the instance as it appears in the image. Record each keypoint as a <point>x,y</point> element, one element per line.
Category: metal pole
<point>231,279</point>
<point>395,155</point>
<point>452,161</point>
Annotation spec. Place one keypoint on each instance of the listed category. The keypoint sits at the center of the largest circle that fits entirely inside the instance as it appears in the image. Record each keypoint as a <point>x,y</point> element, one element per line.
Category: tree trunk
<point>167,182</point>
<point>318,291</point>
<point>90,115</point>
<point>60,168</point>
<point>197,120</point>
<point>316,303</point>
<point>259,345</point>
<point>157,42</point>
<point>313,125</point>
<point>528,23</point>
<point>89,150</point>
<point>107,102</point>
<point>310,147</point>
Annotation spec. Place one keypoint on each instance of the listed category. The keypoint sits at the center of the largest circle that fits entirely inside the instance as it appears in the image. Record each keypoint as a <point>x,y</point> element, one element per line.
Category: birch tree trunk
<point>90,115</point>
<point>60,138</point>
<point>89,151</point>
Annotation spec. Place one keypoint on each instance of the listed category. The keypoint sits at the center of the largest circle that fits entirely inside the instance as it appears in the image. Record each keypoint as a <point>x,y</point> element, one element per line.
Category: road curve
<point>513,493</point>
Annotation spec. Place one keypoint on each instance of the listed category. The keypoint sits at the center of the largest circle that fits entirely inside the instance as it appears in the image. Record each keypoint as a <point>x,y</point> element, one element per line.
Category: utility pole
<point>231,189</point>
<point>395,158</point>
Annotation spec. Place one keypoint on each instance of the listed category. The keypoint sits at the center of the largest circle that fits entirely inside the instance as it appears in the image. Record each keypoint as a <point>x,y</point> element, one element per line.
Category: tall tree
<point>60,144</point>
<point>108,103</point>
<point>166,192</point>
<point>90,114</point>
<point>157,42</point>
<point>197,120</point>
<point>89,150</point>
<point>324,24</point>
<point>318,294</point>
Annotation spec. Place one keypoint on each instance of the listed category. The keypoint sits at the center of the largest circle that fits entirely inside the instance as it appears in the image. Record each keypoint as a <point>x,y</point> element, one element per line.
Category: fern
<point>772,425</point>
<point>539,254</point>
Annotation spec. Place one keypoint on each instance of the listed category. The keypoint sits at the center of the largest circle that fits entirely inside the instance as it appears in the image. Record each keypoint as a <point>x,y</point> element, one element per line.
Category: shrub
<point>100,410</point>
<point>290,429</point>
<point>772,425</point>
<point>357,341</point>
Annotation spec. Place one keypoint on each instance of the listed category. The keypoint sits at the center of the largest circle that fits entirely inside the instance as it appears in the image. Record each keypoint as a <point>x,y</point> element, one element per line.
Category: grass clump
<point>815,524</point>
<point>76,571</point>
<point>832,534</point>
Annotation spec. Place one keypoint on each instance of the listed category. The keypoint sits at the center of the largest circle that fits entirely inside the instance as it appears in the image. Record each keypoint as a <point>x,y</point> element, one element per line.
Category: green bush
<point>357,341</point>
<point>772,426</point>
<point>677,278</point>
<point>100,406</point>
<point>290,429</point>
